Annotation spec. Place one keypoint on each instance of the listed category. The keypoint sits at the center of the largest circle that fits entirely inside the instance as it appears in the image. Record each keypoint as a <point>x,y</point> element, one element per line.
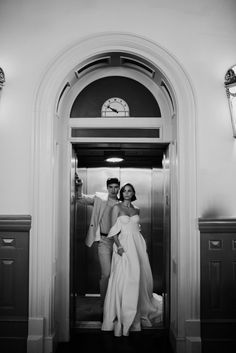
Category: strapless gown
<point>130,303</point>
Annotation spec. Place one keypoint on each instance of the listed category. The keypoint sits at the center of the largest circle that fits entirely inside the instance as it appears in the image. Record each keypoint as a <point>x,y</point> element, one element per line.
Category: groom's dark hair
<point>113,181</point>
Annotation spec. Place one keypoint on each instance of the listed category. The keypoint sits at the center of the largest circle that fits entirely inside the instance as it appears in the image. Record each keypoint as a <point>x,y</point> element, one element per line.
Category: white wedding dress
<point>130,303</point>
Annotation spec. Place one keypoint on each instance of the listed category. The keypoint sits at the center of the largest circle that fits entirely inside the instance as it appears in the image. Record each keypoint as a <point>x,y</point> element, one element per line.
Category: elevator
<point>146,166</point>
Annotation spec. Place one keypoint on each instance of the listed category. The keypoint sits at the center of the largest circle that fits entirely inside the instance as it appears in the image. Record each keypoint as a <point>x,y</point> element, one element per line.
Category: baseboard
<point>49,344</point>
<point>191,343</point>
<point>177,343</point>
<point>193,336</point>
<point>13,344</point>
<point>39,344</point>
<point>13,334</point>
<point>218,346</point>
<point>35,342</point>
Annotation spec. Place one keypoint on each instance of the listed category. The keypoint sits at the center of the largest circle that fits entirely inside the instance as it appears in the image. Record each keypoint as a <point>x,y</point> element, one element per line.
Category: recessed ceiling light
<point>114,159</point>
<point>114,156</point>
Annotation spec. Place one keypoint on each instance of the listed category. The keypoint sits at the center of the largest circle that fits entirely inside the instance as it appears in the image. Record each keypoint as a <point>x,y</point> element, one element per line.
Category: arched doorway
<point>49,278</point>
<point>142,133</point>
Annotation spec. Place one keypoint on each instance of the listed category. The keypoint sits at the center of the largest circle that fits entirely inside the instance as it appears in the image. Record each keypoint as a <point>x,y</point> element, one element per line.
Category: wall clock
<point>115,107</point>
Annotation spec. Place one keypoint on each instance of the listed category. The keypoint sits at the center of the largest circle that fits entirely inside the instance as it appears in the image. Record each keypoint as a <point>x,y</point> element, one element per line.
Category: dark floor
<point>88,313</point>
<point>88,308</point>
<point>105,342</point>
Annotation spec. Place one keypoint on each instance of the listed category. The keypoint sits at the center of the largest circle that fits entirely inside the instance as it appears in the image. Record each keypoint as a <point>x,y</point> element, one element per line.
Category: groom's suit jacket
<point>99,201</point>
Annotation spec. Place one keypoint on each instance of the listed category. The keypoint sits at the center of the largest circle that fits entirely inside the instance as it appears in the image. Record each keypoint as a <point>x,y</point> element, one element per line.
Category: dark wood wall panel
<point>215,276</point>
<point>218,285</point>
<point>7,269</point>
<point>234,286</point>
<point>14,282</point>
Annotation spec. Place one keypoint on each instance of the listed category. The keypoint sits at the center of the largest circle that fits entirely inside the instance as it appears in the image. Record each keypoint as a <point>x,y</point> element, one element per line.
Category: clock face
<point>115,107</point>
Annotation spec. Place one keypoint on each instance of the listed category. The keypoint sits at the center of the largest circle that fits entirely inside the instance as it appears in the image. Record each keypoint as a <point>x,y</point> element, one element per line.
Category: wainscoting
<point>14,282</point>
<point>218,285</point>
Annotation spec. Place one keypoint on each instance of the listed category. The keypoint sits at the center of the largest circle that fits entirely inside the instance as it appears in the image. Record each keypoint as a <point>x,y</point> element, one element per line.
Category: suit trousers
<point>105,249</point>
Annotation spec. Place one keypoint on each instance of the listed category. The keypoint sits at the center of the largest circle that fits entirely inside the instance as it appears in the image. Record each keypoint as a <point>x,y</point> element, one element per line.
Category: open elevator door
<point>146,167</point>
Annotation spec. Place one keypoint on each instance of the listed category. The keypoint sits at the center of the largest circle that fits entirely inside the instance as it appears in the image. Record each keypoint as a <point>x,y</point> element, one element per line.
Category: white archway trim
<point>47,260</point>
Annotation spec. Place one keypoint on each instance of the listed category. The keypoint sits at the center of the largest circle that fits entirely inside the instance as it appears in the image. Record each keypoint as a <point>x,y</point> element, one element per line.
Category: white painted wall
<point>33,34</point>
<point>201,35</point>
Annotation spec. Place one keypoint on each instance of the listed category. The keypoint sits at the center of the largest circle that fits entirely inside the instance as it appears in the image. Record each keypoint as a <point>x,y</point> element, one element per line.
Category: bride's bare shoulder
<point>117,207</point>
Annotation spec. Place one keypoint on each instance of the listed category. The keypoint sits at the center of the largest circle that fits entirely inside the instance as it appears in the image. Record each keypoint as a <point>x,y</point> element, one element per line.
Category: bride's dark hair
<point>122,190</point>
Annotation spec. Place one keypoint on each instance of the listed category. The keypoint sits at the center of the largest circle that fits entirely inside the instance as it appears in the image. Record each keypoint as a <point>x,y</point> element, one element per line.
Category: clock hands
<point>115,107</point>
<point>114,110</point>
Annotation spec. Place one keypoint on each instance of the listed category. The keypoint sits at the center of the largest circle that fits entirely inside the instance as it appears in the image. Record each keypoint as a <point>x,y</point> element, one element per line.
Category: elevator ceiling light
<point>114,159</point>
<point>114,156</point>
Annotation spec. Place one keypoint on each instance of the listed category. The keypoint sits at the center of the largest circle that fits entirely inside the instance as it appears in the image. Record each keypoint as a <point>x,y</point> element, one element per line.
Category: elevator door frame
<point>166,250</point>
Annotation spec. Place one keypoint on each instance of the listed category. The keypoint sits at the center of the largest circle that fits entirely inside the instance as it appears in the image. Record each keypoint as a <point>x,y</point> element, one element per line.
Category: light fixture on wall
<point>114,156</point>
<point>230,85</point>
<point>2,78</point>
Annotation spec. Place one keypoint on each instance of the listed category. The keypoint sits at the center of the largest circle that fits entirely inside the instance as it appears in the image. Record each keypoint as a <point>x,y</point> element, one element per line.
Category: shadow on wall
<point>214,212</point>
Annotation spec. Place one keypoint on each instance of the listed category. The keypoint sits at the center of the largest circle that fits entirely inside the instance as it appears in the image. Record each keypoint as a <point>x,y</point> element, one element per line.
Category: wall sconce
<point>230,86</point>
<point>2,78</point>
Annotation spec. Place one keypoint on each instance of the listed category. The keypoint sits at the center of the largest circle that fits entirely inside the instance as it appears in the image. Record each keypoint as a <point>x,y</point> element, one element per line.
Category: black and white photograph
<point>117,176</point>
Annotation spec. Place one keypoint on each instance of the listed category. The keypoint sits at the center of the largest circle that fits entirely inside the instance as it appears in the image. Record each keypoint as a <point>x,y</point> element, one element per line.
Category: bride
<point>129,303</point>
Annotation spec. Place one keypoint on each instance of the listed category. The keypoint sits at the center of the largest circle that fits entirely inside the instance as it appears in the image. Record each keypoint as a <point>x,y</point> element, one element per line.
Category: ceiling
<point>136,155</point>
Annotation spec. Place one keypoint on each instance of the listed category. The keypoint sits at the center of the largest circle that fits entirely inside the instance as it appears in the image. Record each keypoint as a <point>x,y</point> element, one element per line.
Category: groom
<point>100,225</point>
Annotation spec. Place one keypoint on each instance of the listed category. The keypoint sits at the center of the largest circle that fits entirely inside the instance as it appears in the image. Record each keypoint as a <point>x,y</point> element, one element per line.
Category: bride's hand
<point>120,251</point>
